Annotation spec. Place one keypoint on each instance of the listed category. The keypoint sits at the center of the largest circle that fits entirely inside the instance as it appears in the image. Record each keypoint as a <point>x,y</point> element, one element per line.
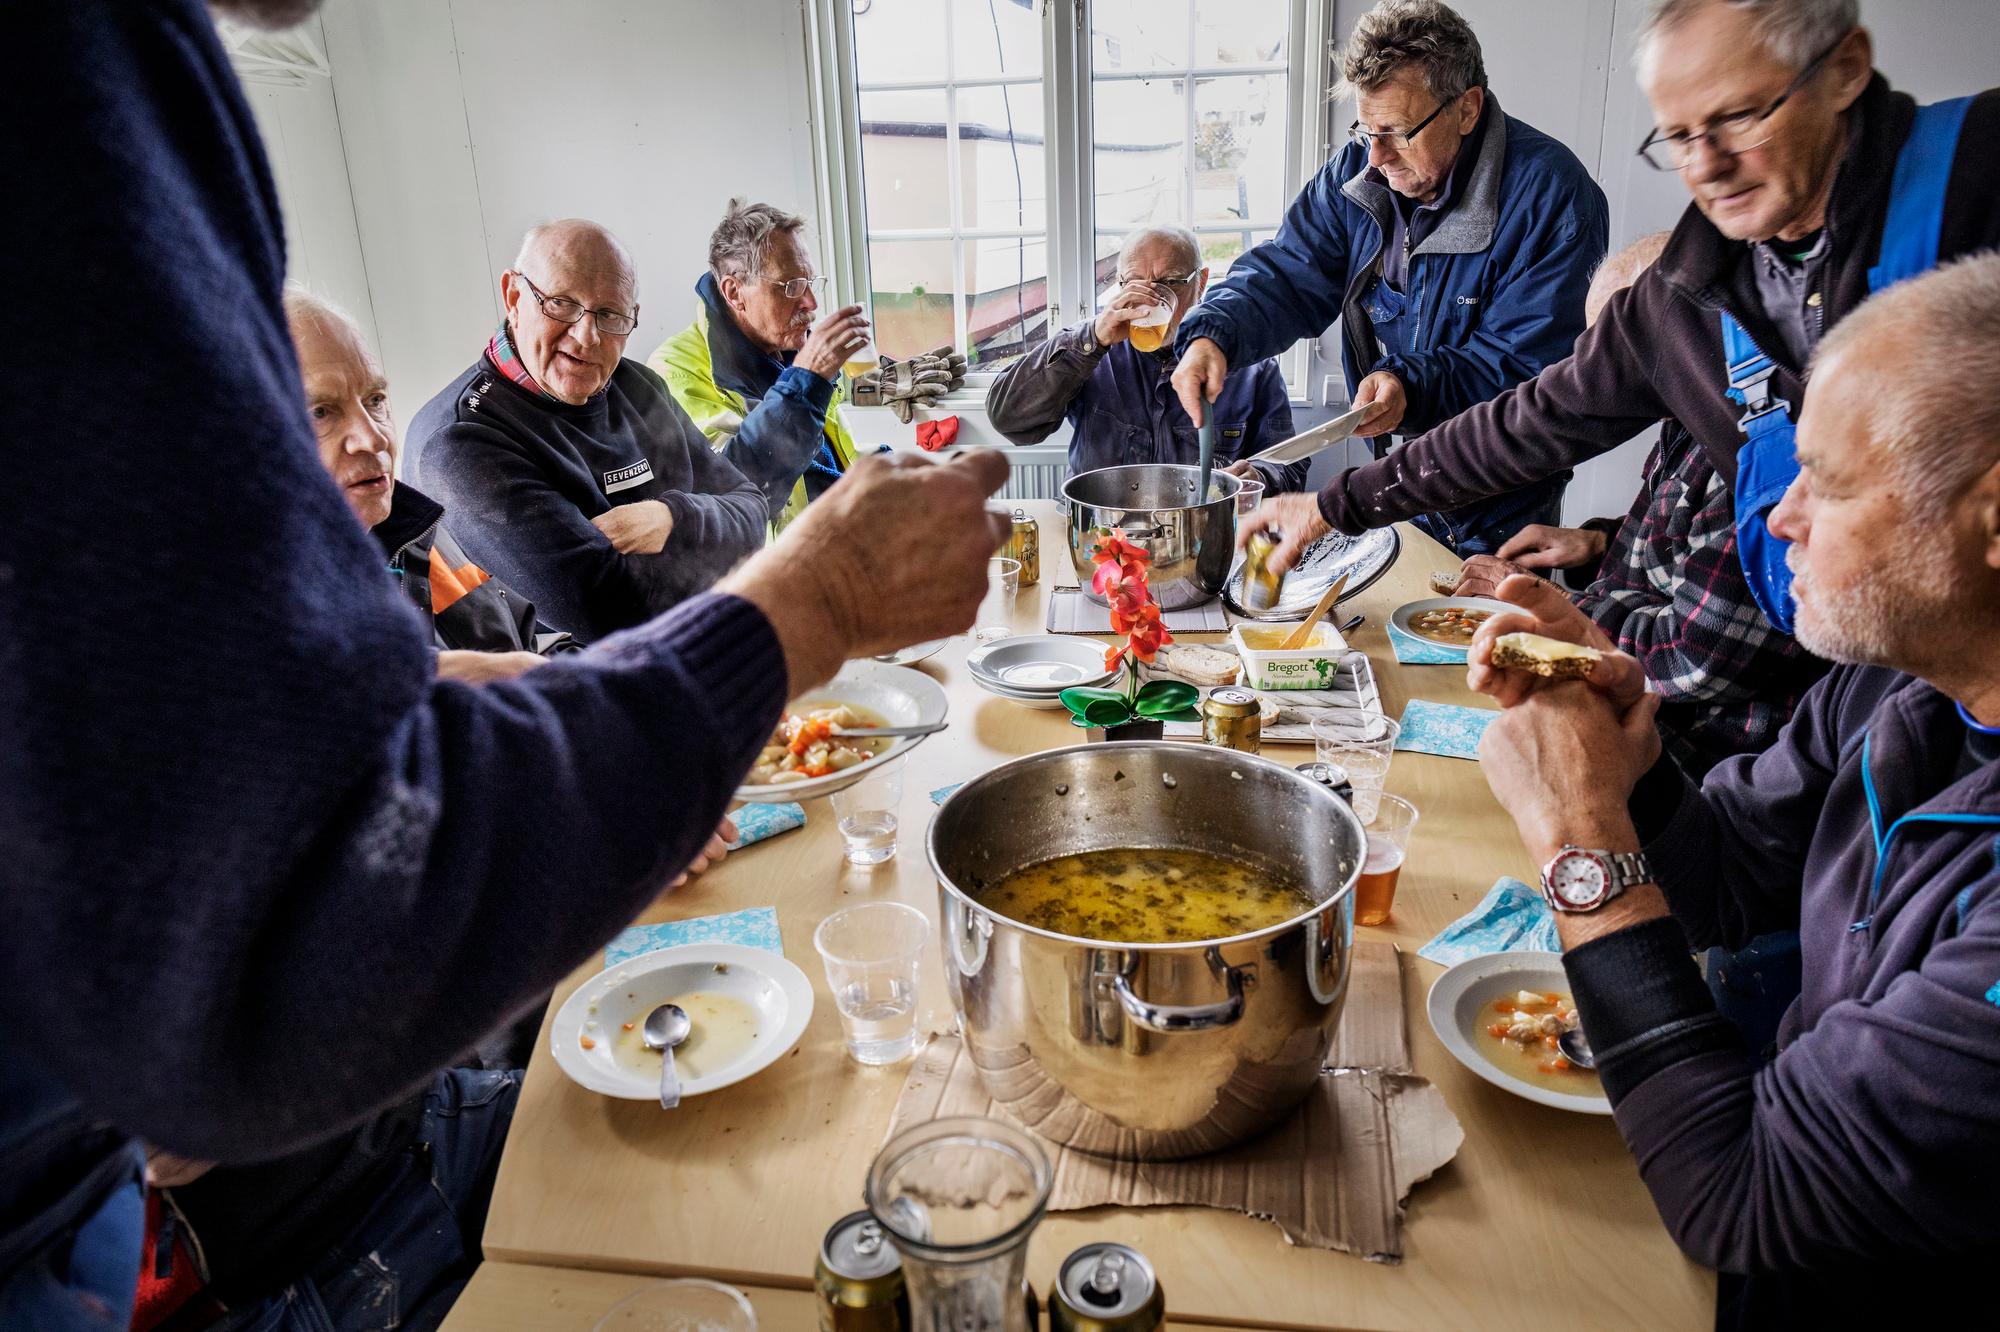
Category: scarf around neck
<point>500,351</point>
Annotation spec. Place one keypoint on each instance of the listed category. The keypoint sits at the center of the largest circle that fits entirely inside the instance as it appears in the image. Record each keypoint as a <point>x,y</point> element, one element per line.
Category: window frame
<point>1066,82</point>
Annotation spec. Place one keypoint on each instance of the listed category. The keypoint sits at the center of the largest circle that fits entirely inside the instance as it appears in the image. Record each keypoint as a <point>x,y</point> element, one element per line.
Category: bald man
<point>1119,400</point>
<point>1666,584</point>
<point>569,470</point>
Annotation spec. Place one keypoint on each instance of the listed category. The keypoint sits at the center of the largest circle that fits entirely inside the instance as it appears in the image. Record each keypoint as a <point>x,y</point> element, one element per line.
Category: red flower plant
<point>1120,578</point>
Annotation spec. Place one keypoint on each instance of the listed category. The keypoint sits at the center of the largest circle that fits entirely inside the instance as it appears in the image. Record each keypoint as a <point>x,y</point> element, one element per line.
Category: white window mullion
<point>1187,149</point>
<point>1066,114</point>
<point>838,182</point>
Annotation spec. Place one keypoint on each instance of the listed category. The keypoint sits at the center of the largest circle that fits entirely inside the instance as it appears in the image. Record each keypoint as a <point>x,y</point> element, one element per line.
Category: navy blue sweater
<point>523,475</point>
<point>262,872</point>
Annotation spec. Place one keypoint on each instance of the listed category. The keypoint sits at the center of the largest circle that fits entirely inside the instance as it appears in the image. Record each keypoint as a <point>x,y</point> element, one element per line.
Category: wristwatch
<point>1579,879</point>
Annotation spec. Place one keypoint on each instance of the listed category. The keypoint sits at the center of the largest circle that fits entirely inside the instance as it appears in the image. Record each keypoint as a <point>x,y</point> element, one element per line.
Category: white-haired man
<point>1119,401</point>
<point>569,470</point>
<point>1813,185</point>
<point>1848,1182</point>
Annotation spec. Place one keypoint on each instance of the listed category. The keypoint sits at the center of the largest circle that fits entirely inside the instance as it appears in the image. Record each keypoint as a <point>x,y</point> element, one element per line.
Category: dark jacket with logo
<point>1498,285</point>
<point>1121,407</point>
<point>523,475</point>
<point>1656,351</point>
<point>468,609</point>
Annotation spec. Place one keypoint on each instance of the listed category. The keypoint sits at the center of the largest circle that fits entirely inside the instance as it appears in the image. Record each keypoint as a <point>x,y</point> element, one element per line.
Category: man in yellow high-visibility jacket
<point>755,371</point>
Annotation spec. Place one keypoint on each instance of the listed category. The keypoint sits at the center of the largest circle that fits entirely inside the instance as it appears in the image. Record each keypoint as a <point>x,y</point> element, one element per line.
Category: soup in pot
<point>1143,896</point>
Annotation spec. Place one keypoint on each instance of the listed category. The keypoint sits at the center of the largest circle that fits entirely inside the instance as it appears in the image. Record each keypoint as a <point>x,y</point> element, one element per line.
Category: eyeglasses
<point>563,310</point>
<point>796,288</point>
<point>1177,284</point>
<point>1731,136</point>
<point>1397,141</point>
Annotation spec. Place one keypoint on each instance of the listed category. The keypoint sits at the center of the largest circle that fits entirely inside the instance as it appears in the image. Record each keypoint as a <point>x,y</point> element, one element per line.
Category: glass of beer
<point>1388,844</point>
<point>1149,331</point>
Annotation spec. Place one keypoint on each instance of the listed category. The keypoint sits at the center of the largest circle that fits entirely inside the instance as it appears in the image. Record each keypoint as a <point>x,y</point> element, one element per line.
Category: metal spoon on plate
<point>664,1028</point>
<point>1575,1047</point>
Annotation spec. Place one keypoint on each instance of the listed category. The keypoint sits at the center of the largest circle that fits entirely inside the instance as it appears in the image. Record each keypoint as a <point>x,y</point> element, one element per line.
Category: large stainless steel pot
<point>1154,506</point>
<point>1152,1051</point>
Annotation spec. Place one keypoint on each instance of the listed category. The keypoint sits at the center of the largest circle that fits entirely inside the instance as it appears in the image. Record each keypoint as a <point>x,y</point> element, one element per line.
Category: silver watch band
<point>1628,869</point>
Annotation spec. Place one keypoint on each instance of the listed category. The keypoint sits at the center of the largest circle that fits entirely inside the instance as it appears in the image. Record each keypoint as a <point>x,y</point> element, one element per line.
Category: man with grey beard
<point>1847,1182</point>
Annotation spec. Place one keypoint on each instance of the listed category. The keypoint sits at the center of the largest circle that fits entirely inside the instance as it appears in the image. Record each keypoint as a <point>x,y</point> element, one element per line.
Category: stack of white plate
<point>1034,669</point>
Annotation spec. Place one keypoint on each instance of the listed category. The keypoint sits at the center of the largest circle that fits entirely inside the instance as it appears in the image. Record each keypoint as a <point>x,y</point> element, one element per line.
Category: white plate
<point>1401,616</point>
<point>779,993</point>
<point>896,694</point>
<point>1039,663</point>
<point>914,653</point>
<point>1040,702</point>
<point>1460,1003</point>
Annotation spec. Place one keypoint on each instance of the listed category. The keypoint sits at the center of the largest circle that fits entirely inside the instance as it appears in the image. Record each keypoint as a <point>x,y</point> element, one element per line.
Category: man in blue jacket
<point>1454,244</point>
<point>1850,1181</point>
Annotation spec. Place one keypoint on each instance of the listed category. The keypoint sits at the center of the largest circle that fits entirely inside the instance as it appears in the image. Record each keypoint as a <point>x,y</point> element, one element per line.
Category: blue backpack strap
<point>1766,466</point>
<point>1916,196</point>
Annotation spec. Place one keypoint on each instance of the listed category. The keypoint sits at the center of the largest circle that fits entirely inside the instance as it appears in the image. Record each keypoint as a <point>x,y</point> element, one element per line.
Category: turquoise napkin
<point>938,796</point>
<point>756,822</point>
<point>756,927</point>
<point>1512,917</point>
<point>1443,728</point>
<point>1414,651</point>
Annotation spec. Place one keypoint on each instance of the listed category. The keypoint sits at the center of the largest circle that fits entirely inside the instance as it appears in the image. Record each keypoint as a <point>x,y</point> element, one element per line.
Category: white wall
<point>451,125</point>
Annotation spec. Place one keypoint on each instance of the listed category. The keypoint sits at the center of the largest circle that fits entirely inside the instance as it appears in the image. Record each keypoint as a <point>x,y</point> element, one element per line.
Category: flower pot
<point>1132,730</point>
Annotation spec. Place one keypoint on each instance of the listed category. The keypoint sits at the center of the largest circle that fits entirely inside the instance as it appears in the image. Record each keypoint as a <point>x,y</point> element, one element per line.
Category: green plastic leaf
<point>1078,697</point>
<point>1161,697</point>
<point>1108,712</point>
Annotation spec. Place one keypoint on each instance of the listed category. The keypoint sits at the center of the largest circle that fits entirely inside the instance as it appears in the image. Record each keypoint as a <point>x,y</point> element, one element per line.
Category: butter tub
<point>1267,666</point>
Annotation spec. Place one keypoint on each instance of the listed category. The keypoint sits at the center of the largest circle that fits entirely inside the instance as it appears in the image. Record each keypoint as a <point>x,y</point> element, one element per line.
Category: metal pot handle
<point>1154,533</point>
<point>1185,1017</point>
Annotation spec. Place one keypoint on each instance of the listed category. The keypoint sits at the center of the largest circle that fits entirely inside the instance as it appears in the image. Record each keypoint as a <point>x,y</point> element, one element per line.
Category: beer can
<point>1331,777</point>
<point>1230,718</point>
<point>1106,1287</point>
<point>1260,584</point>
<point>859,1279</point>
<point>1024,543</point>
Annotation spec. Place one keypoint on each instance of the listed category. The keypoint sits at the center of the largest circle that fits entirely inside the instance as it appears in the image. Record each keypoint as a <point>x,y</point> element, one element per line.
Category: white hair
<point>1935,413</point>
<point>1793,31</point>
<point>1187,250</point>
<point>1621,270</point>
<point>303,304</point>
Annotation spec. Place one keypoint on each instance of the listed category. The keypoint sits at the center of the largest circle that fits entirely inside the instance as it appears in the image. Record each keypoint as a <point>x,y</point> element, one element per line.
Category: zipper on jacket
<point>1885,839</point>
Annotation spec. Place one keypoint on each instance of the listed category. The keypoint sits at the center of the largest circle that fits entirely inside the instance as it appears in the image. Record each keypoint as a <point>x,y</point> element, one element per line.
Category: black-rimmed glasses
<point>1732,135</point>
<point>1397,141</point>
<point>563,310</point>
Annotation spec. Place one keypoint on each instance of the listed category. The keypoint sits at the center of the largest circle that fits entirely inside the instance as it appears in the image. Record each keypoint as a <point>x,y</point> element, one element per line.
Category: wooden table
<point>521,1297</point>
<point>1540,1222</point>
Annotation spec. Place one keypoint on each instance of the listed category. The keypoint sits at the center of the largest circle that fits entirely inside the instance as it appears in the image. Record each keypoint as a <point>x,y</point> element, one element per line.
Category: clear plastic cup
<point>1359,743</point>
<point>1149,331</point>
<point>1249,497</point>
<point>1388,845</point>
<point>686,1304</point>
<point>996,612</point>
<point>867,813</point>
<point>872,954</point>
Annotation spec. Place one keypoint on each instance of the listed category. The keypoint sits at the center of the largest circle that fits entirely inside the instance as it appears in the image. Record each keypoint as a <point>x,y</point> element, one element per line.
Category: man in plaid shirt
<point>1667,587</point>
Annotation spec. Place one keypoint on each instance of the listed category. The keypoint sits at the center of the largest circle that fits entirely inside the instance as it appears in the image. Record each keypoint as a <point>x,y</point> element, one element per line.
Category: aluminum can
<point>859,1279</point>
<point>1260,585</point>
<point>1230,718</point>
<point>1024,543</point>
<point>1106,1288</point>
<point>1331,777</point>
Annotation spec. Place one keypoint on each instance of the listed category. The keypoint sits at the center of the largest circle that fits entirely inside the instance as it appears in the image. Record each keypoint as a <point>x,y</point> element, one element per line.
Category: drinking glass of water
<point>996,613</point>
<point>1248,497</point>
<point>1358,742</point>
<point>872,952</point>
<point>867,814</point>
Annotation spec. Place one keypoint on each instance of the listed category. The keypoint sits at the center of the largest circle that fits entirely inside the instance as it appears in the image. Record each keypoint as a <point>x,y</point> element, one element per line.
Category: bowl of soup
<point>1147,943</point>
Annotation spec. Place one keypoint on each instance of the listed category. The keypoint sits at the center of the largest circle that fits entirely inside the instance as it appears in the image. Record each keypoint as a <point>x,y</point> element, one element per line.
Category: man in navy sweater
<point>570,471</point>
<point>263,873</point>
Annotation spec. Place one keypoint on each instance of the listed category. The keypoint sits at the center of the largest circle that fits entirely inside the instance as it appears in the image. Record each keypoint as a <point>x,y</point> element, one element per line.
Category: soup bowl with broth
<point>1147,944</point>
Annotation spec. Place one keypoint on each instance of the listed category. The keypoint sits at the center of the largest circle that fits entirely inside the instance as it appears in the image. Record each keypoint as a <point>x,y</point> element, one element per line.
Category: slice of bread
<point>1548,657</point>
<point>1444,582</point>
<point>1199,665</point>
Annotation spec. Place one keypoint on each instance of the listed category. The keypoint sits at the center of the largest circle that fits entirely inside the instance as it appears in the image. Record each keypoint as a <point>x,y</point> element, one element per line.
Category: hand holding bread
<point>1548,638</point>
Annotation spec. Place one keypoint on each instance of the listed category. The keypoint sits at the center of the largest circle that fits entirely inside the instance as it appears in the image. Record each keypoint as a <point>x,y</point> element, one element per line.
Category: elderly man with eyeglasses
<point>1119,400</point>
<point>1454,244</point>
<point>1813,184</point>
<point>569,470</point>
<point>755,370</point>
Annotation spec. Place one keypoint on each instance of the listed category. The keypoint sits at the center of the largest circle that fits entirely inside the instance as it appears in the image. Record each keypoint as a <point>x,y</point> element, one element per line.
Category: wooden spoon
<point>1303,634</point>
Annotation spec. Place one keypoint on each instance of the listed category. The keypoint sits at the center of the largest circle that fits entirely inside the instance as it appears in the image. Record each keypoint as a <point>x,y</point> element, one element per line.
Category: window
<point>950,125</point>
